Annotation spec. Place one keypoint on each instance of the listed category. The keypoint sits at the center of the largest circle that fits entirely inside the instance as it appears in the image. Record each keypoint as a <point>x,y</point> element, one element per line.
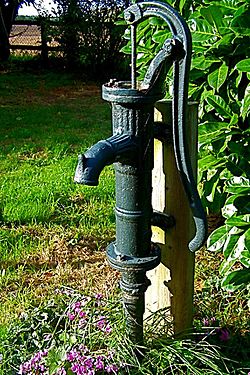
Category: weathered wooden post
<point>172,281</point>
<point>44,45</point>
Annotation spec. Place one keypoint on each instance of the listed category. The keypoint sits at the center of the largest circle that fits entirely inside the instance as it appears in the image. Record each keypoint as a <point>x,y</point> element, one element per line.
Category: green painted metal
<point>131,149</point>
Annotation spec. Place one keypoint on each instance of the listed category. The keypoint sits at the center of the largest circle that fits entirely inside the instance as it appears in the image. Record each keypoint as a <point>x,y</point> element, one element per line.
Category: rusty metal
<point>131,149</point>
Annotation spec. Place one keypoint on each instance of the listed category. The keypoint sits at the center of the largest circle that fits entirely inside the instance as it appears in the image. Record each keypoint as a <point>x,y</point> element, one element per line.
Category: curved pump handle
<point>180,57</point>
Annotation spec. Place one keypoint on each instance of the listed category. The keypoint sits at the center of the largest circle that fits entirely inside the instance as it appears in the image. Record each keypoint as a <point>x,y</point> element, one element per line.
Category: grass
<point>47,119</point>
<point>53,232</point>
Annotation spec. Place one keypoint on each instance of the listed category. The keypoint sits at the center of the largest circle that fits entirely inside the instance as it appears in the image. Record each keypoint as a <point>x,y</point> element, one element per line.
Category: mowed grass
<point>47,119</point>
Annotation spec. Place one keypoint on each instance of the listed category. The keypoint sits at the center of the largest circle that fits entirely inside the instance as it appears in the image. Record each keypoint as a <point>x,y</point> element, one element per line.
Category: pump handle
<point>181,59</point>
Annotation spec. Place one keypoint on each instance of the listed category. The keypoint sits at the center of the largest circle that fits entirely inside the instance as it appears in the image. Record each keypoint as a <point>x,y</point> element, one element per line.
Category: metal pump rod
<point>131,149</point>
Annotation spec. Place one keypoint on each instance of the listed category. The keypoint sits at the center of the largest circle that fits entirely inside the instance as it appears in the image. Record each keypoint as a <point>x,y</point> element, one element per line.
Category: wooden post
<point>44,45</point>
<point>172,282</point>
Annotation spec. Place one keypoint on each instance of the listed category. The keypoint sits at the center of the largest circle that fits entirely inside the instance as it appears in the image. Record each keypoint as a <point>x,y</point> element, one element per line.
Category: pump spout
<point>103,153</point>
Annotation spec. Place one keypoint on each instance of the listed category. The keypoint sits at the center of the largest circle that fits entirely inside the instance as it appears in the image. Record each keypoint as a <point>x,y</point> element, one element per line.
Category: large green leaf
<point>218,77</point>
<point>217,239</point>
<point>210,162</point>
<point>160,36</point>
<point>238,185</point>
<point>203,63</point>
<point>236,204</point>
<point>203,31</point>
<point>239,221</point>
<point>213,15</point>
<point>210,130</point>
<point>243,65</point>
<point>226,5</point>
<point>245,107</point>
<point>156,21</point>
<point>219,104</point>
<point>247,239</point>
<point>236,280</point>
<point>240,24</point>
<point>234,243</point>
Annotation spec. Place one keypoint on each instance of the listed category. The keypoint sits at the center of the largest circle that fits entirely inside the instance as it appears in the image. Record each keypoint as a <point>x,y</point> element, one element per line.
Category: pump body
<point>131,150</point>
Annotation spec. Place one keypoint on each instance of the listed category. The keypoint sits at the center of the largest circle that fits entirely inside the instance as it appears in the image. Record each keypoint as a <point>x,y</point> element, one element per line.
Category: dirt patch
<point>81,266</point>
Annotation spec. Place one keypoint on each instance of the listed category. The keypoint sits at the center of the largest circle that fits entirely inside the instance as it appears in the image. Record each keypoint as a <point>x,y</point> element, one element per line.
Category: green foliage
<point>234,237</point>
<point>220,80</point>
<point>223,89</point>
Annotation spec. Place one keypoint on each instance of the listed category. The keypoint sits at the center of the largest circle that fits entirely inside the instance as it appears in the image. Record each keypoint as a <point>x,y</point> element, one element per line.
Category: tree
<point>88,36</point>
<point>8,13</point>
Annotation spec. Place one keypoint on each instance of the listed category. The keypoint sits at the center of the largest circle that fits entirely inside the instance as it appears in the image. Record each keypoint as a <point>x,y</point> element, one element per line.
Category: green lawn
<point>47,119</point>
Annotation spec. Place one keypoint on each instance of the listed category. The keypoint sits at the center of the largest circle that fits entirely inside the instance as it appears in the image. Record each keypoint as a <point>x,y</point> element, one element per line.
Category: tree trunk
<point>7,15</point>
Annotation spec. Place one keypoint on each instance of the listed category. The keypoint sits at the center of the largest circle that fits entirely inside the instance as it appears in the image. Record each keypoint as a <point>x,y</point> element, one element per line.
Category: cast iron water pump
<point>131,149</point>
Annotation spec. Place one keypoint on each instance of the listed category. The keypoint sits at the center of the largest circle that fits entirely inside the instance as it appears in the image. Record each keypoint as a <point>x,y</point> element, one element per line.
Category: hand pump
<point>131,149</point>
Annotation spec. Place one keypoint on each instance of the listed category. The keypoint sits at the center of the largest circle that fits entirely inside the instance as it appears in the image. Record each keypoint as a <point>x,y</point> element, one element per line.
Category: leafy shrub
<point>220,80</point>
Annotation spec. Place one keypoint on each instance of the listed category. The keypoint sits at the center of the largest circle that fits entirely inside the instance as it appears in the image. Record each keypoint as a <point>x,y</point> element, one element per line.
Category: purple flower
<point>77,305</point>
<point>75,368</point>
<point>72,355</point>
<point>108,328</point>
<point>82,314</point>
<point>99,363</point>
<point>98,296</point>
<point>101,322</point>
<point>111,369</point>
<point>71,316</point>
<point>205,322</point>
<point>223,334</point>
<point>88,362</point>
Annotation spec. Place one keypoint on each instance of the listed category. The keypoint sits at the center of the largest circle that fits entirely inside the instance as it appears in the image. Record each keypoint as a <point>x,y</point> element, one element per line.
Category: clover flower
<point>103,325</point>
<point>35,365</point>
<point>71,316</point>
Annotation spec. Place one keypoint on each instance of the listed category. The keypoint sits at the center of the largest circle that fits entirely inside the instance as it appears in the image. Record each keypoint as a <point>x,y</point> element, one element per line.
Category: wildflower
<point>99,363</point>
<point>101,322</point>
<point>75,368</point>
<point>35,363</point>
<point>72,355</point>
<point>71,316</point>
<point>1,357</point>
<point>111,369</point>
<point>89,362</point>
<point>205,322</point>
<point>108,329</point>
<point>76,305</point>
<point>82,314</point>
<point>98,296</point>
<point>223,334</point>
